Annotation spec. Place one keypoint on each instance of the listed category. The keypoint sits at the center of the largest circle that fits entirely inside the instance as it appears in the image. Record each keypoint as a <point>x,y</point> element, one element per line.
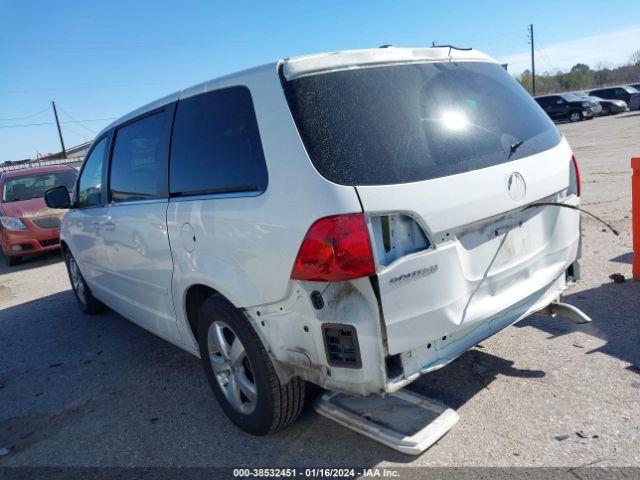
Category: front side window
<point>138,160</point>
<point>216,147</point>
<point>26,187</point>
<point>90,182</point>
<point>407,123</point>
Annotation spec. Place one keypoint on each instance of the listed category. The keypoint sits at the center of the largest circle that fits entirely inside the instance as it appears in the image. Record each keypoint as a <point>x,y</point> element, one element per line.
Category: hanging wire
<point>25,117</point>
<point>77,121</point>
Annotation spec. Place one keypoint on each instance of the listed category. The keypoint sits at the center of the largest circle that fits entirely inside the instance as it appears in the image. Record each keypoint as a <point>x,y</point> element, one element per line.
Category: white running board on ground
<point>404,420</point>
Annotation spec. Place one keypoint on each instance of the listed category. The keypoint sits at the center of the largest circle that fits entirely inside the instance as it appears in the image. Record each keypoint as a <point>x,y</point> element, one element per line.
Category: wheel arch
<point>196,294</point>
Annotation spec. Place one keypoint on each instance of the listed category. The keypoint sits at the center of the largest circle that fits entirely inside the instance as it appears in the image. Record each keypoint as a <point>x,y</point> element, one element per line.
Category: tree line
<point>582,77</point>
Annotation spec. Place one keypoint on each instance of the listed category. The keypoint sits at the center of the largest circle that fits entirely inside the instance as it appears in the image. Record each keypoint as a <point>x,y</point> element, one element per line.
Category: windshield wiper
<point>514,148</point>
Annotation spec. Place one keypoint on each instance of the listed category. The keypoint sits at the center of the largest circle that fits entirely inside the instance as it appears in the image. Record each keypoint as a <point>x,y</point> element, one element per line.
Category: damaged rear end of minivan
<point>462,180</point>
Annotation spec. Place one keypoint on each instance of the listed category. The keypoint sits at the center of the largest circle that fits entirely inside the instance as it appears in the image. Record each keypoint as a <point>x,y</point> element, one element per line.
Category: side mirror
<point>57,197</point>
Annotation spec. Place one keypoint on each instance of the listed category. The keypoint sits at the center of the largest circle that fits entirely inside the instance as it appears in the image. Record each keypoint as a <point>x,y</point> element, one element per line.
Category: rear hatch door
<point>485,251</point>
<point>461,149</point>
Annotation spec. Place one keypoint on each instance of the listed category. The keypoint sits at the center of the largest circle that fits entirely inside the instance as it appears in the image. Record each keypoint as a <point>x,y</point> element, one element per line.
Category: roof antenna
<point>385,46</point>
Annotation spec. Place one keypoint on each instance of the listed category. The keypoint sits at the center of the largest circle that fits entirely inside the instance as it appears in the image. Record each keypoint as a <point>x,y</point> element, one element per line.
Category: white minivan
<point>352,219</point>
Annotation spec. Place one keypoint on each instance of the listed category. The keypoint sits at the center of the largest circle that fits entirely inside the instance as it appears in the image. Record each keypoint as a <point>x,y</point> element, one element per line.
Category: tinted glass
<point>138,160</point>
<point>33,186</point>
<point>90,182</point>
<point>216,145</point>
<point>406,123</point>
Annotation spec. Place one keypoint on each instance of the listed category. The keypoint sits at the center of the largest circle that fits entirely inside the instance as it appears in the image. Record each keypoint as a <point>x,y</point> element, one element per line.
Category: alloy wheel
<point>77,281</point>
<point>231,367</point>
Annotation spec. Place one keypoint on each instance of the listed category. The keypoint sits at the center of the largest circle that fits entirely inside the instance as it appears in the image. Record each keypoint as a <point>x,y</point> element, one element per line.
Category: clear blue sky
<point>99,60</point>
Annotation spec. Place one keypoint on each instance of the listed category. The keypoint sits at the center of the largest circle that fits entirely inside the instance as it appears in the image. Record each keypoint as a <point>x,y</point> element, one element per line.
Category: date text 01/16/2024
<point>314,473</point>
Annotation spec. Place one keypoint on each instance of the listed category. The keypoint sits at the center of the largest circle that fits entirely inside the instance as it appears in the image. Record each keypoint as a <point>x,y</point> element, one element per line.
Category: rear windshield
<point>407,123</point>
<point>31,186</point>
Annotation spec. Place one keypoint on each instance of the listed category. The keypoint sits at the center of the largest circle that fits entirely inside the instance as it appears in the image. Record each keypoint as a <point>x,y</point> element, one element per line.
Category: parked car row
<point>607,106</point>
<point>568,106</point>
<point>582,105</point>
<point>626,93</point>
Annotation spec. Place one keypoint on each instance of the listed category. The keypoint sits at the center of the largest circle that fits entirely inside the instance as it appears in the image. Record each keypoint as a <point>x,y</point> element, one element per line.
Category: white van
<point>352,219</point>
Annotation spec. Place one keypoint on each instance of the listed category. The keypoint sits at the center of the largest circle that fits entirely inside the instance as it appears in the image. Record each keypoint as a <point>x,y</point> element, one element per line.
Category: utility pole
<point>55,113</point>
<point>533,61</point>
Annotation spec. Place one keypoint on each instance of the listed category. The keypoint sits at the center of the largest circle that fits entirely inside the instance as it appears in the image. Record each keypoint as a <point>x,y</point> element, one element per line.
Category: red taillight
<point>576,170</point>
<point>335,248</point>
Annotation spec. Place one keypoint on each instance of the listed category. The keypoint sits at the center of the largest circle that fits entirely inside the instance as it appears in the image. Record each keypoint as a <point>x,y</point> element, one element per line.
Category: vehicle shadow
<point>462,379</point>
<point>624,258</point>
<point>613,308</point>
<point>628,115</point>
<point>130,398</point>
<point>29,262</point>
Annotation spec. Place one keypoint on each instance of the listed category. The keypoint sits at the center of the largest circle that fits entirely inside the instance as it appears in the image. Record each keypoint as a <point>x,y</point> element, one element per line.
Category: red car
<point>27,225</point>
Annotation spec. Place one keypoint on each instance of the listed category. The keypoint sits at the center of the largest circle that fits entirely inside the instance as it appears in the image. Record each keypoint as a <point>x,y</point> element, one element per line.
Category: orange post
<point>635,215</point>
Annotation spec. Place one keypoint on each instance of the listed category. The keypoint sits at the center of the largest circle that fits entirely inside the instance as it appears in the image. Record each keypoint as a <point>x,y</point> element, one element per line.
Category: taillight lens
<point>574,181</point>
<point>335,248</point>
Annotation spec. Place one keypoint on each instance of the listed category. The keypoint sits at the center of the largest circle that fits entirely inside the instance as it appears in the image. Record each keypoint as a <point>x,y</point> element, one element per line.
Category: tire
<point>575,116</point>
<point>247,387</point>
<point>87,302</point>
<point>12,260</point>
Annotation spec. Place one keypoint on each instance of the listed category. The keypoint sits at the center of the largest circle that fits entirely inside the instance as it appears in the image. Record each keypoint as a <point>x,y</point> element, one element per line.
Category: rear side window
<point>89,192</point>
<point>139,160</point>
<point>407,123</point>
<point>216,145</point>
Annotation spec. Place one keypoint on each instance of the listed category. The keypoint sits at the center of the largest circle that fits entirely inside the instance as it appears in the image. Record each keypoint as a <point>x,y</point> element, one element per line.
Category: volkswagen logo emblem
<point>517,187</point>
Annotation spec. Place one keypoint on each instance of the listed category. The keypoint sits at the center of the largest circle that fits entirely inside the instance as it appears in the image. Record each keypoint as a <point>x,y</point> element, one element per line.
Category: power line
<point>76,132</point>
<point>94,87</point>
<point>78,121</point>
<point>128,46</point>
<point>53,123</point>
<point>542,50</point>
<point>25,117</point>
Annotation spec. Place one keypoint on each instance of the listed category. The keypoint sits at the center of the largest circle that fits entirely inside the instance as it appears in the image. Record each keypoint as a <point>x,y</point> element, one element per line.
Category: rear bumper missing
<point>438,352</point>
<point>296,335</point>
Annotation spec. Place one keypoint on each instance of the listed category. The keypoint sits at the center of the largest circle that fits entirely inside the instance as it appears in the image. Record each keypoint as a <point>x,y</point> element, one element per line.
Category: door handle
<point>108,225</point>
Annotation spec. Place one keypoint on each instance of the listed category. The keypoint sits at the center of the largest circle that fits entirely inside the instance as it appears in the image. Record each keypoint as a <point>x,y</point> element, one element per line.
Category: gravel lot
<point>99,391</point>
